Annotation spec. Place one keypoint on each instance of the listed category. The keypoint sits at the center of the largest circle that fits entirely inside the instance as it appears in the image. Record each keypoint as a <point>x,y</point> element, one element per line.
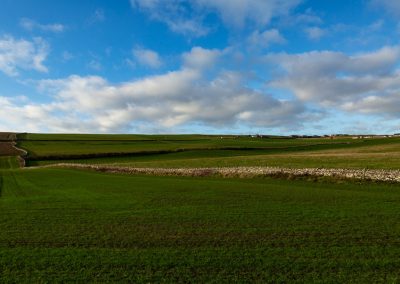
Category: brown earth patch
<point>8,149</point>
<point>7,145</point>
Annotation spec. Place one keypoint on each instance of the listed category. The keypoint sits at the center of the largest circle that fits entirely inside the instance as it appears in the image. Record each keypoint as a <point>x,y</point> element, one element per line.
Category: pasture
<point>190,151</point>
<point>69,225</point>
<point>10,162</point>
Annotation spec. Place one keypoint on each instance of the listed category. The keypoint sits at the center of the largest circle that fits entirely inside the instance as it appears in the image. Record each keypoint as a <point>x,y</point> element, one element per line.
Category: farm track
<point>7,144</point>
<point>244,172</point>
<point>9,149</point>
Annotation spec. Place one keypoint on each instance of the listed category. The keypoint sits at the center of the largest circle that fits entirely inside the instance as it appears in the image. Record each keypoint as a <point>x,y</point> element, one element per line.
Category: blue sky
<point>200,66</point>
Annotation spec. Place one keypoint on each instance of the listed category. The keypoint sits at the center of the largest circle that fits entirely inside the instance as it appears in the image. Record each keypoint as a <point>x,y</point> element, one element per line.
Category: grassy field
<point>79,226</point>
<point>340,158</point>
<point>212,151</point>
<point>43,148</point>
<point>8,163</point>
<point>64,225</point>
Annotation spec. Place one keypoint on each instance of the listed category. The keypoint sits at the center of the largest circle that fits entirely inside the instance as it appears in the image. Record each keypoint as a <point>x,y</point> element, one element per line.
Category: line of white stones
<point>244,172</point>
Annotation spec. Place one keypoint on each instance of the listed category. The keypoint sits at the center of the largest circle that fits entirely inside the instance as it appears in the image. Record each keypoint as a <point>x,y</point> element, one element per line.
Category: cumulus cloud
<point>366,82</point>
<point>31,25</point>
<point>16,54</point>
<point>147,57</point>
<point>19,113</point>
<point>200,58</point>
<point>386,105</point>
<point>167,101</point>
<point>186,16</point>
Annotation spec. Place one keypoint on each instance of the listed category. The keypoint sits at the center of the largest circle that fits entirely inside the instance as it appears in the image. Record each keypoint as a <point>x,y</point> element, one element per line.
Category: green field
<point>67,225</point>
<point>8,163</point>
<point>78,145</point>
<point>212,151</point>
<point>63,225</point>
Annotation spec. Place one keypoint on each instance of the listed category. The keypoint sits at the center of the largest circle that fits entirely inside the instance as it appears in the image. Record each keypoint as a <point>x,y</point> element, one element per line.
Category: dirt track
<point>7,145</point>
<point>7,149</point>
<point>246,172</point>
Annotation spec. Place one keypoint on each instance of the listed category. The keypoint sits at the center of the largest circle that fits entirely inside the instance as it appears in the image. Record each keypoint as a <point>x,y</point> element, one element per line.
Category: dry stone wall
<point>247,172</point>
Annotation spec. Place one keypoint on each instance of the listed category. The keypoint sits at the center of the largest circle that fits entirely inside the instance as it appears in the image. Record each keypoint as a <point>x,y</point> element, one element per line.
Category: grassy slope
<point>313,159</point>
<point>56,144</point>
<point>44,148</point>
<point>65,225</point>
<point>346,153</point>
<point>85,226</point>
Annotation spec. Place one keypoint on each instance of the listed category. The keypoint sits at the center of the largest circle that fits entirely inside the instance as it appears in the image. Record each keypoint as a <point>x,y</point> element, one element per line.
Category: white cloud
<point>315,33</point>
<point>201,58</point>
<point>334,79</point>
<point>386,105</point>
<point>167,101</point>
<point>31,25</point>
<point>192,27</point>
<point>16,54</point>
<point>18,114</point>
<point>186,16</point>
<point>266,38</point>
<point>147,57</point>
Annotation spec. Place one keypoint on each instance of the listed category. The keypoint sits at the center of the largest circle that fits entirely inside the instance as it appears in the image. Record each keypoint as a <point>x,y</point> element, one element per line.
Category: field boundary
<point>243,172</point>
<point>173,151</point>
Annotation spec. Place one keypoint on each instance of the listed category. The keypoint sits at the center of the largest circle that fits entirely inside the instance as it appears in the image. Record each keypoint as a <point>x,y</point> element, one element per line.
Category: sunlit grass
<point>68,225</point>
